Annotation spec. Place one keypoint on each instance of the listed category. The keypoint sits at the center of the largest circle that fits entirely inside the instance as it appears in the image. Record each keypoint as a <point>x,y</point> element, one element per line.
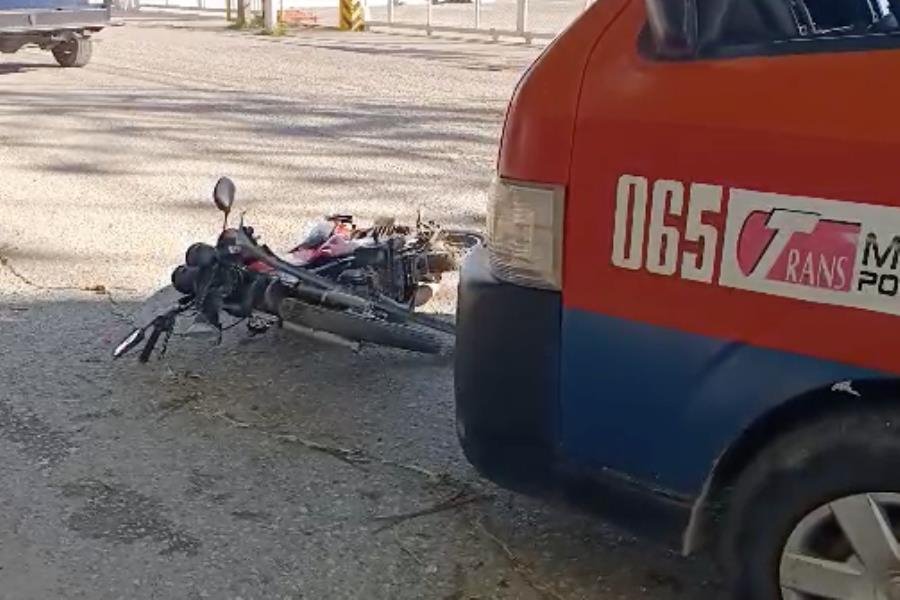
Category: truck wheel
<point>817,514</point>
<point>74,53</point>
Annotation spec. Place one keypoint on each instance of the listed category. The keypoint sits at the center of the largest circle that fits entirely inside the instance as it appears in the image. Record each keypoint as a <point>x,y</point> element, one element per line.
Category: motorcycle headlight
<point>525,233</point>
<point>200,255</point>
<point>184,279</point>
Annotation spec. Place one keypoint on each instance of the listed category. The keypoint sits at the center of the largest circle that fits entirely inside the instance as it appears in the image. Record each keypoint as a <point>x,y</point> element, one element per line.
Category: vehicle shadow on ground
<point>14,68</point>
<point>327,444</point>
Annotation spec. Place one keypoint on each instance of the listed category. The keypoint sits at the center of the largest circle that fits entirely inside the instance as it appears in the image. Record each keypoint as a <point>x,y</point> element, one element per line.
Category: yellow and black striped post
<point>352,17</point>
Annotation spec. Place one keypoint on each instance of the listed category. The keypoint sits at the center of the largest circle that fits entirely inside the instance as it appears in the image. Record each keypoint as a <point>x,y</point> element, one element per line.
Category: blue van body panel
<point>622,418</point>
<point>662,405</point>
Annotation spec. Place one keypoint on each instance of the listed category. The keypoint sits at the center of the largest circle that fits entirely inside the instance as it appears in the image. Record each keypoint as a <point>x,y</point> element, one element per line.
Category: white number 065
<point>632,234</point>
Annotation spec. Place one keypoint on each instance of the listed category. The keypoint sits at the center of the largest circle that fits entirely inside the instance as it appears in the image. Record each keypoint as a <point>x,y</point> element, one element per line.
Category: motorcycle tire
<point>358,328</point>
<point>461,239</point>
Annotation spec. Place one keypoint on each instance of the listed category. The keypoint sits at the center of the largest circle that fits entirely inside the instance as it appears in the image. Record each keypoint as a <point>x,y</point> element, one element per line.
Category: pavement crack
<point>460,499</point>
<point>352,456</point>
<point>178,402</point>
<point>525,572</point>
<point>406,550</point>
<point>99,289</point>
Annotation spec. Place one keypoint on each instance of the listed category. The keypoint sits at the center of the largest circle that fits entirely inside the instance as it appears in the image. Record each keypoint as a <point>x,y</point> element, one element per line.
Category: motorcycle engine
<point>360,281</point>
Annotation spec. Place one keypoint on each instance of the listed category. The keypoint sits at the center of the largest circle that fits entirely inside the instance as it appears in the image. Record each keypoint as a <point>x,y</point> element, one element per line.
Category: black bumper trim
<point>508,346</point>
<point>507,375</point>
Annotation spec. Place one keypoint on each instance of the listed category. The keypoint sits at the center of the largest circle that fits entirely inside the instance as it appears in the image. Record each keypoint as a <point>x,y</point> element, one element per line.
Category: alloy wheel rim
<point>845,550</point>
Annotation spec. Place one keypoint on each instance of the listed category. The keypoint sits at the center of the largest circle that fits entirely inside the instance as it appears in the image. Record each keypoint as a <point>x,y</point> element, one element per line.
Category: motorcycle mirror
<point>223,195</point>
<point>134,338</point>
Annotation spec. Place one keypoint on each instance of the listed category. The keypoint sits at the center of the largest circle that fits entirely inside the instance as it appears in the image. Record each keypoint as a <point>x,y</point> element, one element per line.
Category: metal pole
<point>390,11</point>
<point>241,13</point>
<point>269,15</point>
<point>228,10</point>
<point>522,17</point>
<point>477,14</point>
<point>428,17</point>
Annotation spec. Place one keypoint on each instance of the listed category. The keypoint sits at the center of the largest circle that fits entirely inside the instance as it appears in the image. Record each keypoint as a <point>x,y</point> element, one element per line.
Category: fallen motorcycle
<point>342,284</point>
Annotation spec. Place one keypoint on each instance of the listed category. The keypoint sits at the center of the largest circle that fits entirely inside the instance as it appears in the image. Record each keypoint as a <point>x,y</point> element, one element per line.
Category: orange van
<point>687,313</point>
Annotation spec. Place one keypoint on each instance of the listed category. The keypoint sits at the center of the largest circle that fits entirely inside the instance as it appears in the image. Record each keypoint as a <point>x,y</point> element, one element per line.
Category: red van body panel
<point>537,138</point>
<point>798,125</point>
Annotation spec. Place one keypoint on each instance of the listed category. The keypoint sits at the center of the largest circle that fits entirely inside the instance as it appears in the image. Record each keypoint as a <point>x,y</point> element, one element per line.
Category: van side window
<point>746,22</point>
<point>746,27</point>
<point>830,17</point>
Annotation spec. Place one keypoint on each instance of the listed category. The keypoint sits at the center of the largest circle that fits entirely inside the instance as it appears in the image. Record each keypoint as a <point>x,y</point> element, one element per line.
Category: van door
<point>731,243</point>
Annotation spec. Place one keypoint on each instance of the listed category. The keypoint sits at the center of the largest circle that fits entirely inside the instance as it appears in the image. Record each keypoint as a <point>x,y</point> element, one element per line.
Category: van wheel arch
<point>703,527</point>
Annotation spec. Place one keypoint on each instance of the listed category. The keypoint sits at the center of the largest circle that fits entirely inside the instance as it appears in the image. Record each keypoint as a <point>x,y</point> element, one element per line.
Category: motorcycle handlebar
<point>163,323</point>
<point>147,351</point>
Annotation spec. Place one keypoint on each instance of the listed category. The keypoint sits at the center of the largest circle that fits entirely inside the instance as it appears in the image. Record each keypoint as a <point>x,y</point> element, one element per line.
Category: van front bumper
<point>507,376</point>
<point>508,347</point>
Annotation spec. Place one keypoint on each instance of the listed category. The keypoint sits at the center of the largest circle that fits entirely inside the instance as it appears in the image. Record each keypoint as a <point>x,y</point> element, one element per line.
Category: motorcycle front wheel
<point>359,328</point>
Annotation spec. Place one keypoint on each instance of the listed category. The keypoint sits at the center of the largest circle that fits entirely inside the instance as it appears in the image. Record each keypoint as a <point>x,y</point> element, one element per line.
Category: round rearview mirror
<point>223,194</point>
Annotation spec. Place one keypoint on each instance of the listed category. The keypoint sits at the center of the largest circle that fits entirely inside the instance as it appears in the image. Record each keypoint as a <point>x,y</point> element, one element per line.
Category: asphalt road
<point>267,467</point>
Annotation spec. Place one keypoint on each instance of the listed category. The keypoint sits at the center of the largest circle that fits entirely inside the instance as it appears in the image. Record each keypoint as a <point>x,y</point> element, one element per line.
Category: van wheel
<point>817,515</point>
<point>74,53</point>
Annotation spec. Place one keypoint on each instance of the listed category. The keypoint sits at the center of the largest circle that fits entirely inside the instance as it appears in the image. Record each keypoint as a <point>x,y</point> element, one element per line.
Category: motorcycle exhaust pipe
<point>330,298</point>
<point>277,291</point>
<point>322,336</point>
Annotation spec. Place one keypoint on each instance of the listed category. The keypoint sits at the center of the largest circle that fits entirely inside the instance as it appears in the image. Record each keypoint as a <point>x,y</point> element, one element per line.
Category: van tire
<point>74,53</point>
<point>841,455</point>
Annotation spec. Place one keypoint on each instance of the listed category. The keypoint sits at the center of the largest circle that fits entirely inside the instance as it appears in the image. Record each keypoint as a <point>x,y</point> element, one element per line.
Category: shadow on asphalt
<point>327,152</point>
<point>12,68</point>
<point>211,416</point>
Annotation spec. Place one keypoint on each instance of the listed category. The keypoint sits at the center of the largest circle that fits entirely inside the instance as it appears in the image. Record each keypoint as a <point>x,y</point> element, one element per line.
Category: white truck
<point>64,27</point>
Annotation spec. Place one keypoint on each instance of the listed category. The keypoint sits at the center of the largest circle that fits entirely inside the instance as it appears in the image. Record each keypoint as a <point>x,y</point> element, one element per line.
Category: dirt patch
<point>36,437</point>
<point>125,516</point>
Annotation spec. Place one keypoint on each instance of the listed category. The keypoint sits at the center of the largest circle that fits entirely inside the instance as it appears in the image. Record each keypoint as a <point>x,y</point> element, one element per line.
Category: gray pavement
<point>267,467</point>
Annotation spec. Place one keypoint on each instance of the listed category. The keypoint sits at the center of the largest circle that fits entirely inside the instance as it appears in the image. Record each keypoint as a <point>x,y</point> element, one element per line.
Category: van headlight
<point>525,233</point>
